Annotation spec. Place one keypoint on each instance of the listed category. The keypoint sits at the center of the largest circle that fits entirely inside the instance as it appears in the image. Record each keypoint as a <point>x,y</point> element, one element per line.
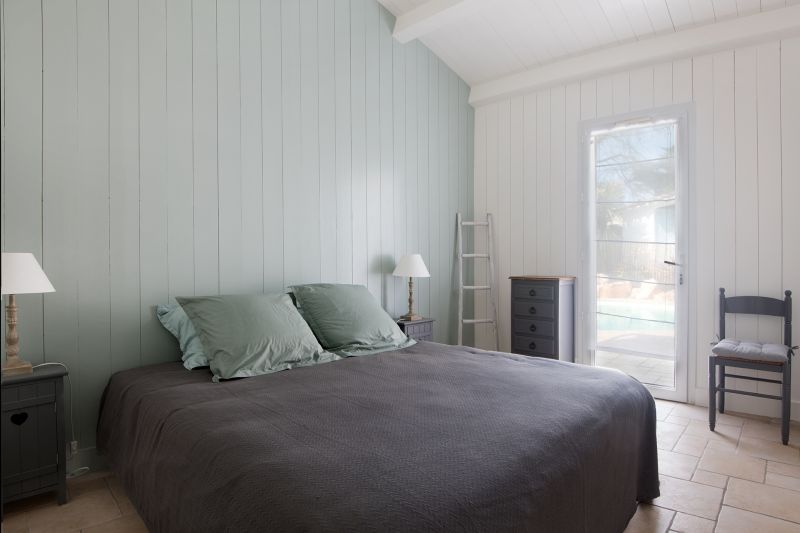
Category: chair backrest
<point>757,305</point>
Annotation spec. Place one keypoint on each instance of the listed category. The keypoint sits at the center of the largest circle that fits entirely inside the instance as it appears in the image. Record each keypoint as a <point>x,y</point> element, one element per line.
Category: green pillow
<point>174,320</point>
<point>348,320</point>
<point>252,334</point>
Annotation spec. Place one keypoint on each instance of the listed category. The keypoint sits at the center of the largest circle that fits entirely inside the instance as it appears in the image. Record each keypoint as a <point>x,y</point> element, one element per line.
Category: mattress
<point>428,438</point>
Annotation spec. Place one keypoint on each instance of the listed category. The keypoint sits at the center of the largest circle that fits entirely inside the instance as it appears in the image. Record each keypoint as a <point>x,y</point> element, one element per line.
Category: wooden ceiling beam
<point>430,16</point>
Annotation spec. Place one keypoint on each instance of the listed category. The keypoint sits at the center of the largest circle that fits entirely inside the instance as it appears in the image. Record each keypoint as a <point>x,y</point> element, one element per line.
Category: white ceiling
<point>495,38</point>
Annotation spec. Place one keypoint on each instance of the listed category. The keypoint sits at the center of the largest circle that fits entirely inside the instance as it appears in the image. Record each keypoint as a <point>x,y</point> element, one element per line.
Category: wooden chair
<point>752,355</point>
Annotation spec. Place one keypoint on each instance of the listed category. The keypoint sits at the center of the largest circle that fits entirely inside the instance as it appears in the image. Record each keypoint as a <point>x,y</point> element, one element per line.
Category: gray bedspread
<point>429,438</point>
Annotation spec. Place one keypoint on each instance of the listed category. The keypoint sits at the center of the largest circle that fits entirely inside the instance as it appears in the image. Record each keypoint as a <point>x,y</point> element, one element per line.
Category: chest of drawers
<point>542,316</point>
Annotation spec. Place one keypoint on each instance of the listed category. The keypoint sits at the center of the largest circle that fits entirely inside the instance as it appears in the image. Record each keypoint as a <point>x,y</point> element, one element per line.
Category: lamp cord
<point>69,383</point>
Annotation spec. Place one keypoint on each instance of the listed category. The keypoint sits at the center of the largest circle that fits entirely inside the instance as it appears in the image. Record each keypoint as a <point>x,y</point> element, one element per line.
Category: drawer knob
<point>533,327</point>
<point>19,418</point>
<point>532,310</point>
<point>532,346</point>
<point>532,292</point>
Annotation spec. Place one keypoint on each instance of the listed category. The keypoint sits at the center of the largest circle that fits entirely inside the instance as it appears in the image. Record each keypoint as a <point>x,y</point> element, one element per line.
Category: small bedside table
<point>34,449</point>
<point>421,330</point>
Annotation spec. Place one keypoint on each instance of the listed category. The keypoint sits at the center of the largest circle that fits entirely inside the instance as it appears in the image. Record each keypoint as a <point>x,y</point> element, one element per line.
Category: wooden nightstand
<point>34,449</point>
<point>421,330</point>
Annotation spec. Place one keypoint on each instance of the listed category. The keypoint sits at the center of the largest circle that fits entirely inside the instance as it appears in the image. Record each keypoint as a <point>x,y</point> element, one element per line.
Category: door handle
<point>672,263</point>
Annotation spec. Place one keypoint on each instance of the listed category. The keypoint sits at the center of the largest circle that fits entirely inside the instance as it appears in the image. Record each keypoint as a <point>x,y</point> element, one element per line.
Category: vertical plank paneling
<point>492,182</point>
<point>480,178</point>
<point>124,182</point>
<point>449,200</point>
<point>22,158</point>
<point>724,178</point>
<point>517,186</point>
<point>412,150</point>
<point>60,197</point>
<point>529,232</point>
<point>93,216</point>
<point>557,176</point>
<point>157,344</point>
<point>662,84</point>
<point>768,156</point>
<point>543,205</point>
<point>682,81</point>
<point>373,174</point>
<point>399,136</point>
<point>327,139</point>
<point>704,184</point>
<point>790,158</point>
<point>359,140</point>
<point>641,88</point>
<point>436,244</point>
<point>272,144</point>
<point>386,120</point>
<point>445,252</point>
<point>622,92</point>
<point>204,122</point>
<point>422,197</point>
<point>308,200</point>
<point>503,226</point>
<point>746,184</point>
<point>293,190</point>
<point>252,253</point>
<point>605,96</point>
<point>180,171</point>
<point>573,174</point>
<point>344,184</point>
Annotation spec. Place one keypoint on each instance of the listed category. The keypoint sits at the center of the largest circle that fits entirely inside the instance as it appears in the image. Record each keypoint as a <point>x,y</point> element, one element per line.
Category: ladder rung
<point>474,223</point>
<point>478,321</point>
<point>467,256</point>
<point>476,287</point>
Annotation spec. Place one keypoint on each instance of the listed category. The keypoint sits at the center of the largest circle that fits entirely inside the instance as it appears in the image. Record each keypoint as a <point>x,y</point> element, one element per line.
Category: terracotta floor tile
<point>650,519</point>
<point>783,469</point>
<point>722,432</point>
<point>90,503</point>
<point>773,451</point>
<point>691,445</point>
<point>733,464</point>
<point>126,524</point>
<point>698,412</point>
<point>732,520</point>
<point>762,430</point>
<point>763,499</point>
<point>676,464</point>
<point>668,434</point>
<point>779,480</point>
<point>125,505</point>
<point>686,523</point>
<point>680,420</point>
<point>710,478</point>
<point>689,497</point>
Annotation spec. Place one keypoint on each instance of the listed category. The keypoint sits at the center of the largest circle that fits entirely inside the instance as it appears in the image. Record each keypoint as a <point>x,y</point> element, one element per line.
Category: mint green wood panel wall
<point>157,148</point>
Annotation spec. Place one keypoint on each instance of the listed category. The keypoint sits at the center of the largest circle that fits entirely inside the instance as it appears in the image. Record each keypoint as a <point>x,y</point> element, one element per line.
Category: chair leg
<point>722,385</point>
<point>712,394</point>
<point>787,402</point>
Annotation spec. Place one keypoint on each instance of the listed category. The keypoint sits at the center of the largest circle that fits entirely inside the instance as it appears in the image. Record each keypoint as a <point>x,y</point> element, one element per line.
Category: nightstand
<point>34,450</point>
<point>421,330</point>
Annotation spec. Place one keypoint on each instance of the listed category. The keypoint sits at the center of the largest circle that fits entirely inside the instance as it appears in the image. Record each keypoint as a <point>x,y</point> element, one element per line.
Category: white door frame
<point>682,114</point>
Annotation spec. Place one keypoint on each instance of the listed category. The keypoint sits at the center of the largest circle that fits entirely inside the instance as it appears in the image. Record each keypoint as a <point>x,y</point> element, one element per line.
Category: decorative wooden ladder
<point>489,287</point>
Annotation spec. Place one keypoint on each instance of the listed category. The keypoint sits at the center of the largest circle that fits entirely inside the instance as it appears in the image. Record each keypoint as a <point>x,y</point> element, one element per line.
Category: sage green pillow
<point>252,334</point>
<point>348,320</point>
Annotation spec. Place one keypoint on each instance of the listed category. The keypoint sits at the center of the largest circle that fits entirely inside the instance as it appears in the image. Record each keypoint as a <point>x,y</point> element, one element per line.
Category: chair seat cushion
<point>758,352</point>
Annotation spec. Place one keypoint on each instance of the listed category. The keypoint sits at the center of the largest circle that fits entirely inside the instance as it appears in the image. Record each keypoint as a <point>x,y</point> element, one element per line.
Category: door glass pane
<point>635,186</point>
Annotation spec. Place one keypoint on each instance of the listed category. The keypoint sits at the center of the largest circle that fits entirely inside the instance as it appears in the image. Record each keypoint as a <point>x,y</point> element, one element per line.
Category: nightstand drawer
<point>533,291</point>
<point>534,309</point>
<point>525,326</point>
<point>534,345</point>
<point>421,330</point>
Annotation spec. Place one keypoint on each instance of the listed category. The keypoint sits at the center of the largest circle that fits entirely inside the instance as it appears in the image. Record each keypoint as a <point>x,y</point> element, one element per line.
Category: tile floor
<point>738,479</point>
<point>651,370</point>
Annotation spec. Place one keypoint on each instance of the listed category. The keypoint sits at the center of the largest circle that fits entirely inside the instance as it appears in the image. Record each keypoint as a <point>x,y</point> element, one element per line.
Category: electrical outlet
<point>73,447</point>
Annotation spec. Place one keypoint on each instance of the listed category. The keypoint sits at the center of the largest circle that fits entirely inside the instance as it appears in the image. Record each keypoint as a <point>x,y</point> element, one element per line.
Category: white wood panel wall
<point>157,148</point>
<point>744,190</point>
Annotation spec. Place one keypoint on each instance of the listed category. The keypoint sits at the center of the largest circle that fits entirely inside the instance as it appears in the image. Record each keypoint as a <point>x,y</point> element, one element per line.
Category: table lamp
<point>21,274</point>
<point>411,266</point>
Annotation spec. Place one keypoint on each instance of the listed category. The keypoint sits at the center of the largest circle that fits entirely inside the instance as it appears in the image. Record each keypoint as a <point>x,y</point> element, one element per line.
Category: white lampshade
<point>21,274</point>
<point>411,266</point>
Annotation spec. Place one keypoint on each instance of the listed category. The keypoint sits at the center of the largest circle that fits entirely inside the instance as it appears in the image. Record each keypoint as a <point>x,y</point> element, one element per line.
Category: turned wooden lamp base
<point>13,365</point>
<point>411,315</point>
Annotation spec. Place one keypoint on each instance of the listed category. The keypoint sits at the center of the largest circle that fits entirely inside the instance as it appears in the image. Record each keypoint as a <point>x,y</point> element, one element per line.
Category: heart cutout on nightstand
<point>19,418</point>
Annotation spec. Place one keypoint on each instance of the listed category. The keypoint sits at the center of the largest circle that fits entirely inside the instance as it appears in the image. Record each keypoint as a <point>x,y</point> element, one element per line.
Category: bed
<point>427,438</point>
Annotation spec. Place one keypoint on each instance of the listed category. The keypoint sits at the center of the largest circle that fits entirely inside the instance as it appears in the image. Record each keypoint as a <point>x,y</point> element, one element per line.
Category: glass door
<point>637,255</point>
